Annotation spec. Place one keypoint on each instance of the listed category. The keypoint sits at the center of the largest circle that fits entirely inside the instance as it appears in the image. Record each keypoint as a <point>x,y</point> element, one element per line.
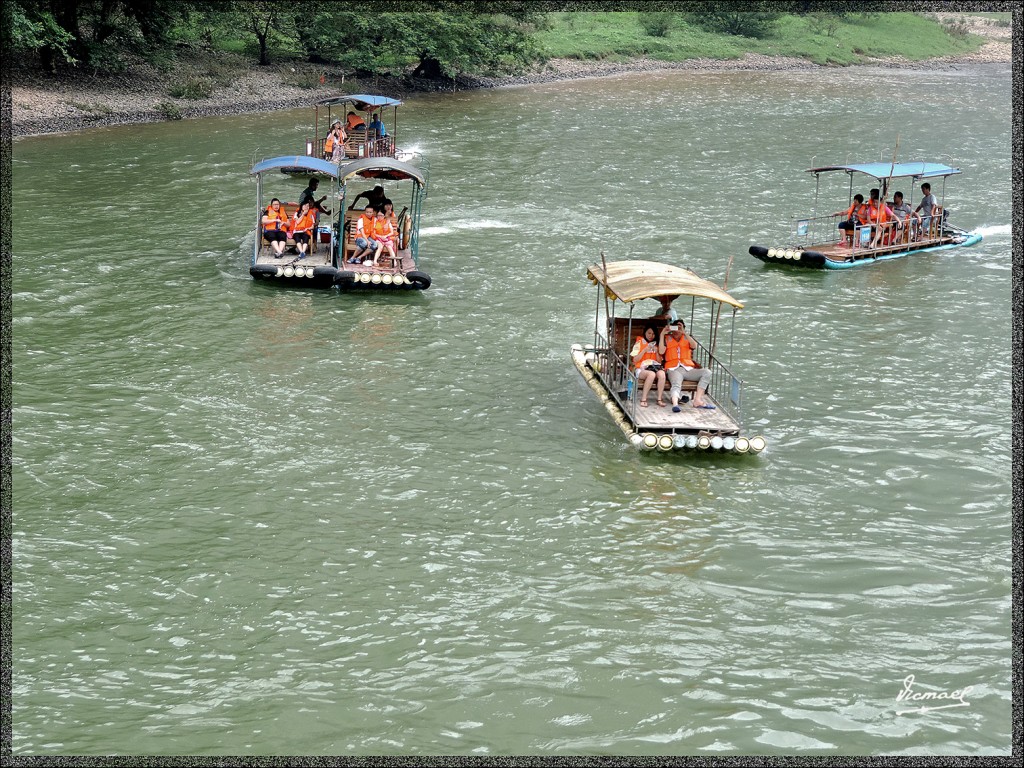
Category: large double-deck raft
<point>817,242</point>
<point>606,366</point>
<point>327,262</point>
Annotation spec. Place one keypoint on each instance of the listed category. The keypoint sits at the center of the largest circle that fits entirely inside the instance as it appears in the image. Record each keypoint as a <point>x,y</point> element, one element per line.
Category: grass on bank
<point>821,38</point>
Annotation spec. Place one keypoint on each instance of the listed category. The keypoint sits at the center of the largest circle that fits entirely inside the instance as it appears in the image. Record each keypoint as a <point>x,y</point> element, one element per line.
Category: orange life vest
<point>382,229</point>
<point>329,144</point>
<point>877,214</point>
<point>366,225</point>
<point>304,223</point>
<point>278,219</point>
<point>678,353</point>
<point>647,352</point>
<point>354,121</point>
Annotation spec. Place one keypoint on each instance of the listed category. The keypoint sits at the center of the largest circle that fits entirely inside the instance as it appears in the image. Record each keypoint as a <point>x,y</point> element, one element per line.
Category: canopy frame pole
<point>259,218</point>
<point>817,186</point>
<point>732,336</point>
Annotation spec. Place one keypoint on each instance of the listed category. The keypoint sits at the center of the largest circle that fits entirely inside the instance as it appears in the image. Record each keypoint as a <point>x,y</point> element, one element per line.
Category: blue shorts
<point>362,243</point>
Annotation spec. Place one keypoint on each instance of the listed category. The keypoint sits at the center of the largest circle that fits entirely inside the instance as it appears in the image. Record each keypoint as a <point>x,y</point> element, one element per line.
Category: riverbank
<point>42,105</point>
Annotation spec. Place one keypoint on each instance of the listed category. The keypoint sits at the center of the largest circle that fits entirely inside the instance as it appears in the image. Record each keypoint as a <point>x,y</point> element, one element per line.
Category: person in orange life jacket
<point>334,144</point>
<point>676,348</point>
<point>855,217</point>
<point>647,363</point>
<point>354,122</point>
<point>364,235</point>
<point>302,227</point>
<point>384,234</point>
<point>880,216</point>
<point>275,226</point>
<point>389,214</point>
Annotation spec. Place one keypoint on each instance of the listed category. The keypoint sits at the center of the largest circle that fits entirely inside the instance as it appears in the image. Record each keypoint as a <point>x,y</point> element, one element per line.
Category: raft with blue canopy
<point>817,242</point>
<point>325,264</point>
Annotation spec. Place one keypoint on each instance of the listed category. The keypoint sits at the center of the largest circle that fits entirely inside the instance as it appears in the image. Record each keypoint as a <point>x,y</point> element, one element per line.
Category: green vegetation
<point>824,38</point>
<point>168,110</point>
<point>192,88</point>
<point>439,40</point>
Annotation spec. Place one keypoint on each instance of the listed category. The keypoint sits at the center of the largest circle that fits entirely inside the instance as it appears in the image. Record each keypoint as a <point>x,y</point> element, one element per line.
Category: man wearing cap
<point>676,348</point>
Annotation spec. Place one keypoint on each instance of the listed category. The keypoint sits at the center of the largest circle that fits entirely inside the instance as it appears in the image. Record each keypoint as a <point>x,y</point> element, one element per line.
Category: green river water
<point>251,520</point>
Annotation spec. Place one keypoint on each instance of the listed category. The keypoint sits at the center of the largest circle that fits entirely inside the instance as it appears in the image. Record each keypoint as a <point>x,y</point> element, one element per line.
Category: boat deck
<point>322,258</point>
<point>837,252</point>
<point>386,265</point>
<point>689,419</point>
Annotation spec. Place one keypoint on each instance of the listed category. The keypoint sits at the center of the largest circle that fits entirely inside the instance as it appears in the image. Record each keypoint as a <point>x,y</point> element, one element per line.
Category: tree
<point>718,18</point>
<point>432,44</point>
<point>95,31</point>
<point>34,29</point>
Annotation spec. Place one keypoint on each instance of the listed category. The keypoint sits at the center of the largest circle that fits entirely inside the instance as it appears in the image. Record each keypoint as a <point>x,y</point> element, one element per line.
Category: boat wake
<point>468,224</point>
<point>995,229</point>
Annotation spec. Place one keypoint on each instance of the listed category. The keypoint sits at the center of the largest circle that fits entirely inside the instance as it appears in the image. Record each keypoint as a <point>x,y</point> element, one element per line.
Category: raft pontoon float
<point>817,242</point>
<point>605,364</point>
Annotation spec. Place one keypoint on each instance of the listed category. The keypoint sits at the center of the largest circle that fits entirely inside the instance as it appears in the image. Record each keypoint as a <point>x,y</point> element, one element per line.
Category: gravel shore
<point>40,105</point>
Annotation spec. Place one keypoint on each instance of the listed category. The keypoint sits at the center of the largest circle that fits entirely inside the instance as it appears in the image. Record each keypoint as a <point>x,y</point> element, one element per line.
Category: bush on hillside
<point>657,24</point>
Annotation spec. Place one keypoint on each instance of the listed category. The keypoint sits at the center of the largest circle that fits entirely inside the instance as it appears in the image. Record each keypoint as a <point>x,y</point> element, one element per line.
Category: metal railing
<point>614,370</point>
<point>824,230</point>
<point>357,145</point>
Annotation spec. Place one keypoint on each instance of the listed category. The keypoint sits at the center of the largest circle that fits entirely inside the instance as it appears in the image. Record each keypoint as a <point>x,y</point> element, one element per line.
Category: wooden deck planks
<point>689,418</point>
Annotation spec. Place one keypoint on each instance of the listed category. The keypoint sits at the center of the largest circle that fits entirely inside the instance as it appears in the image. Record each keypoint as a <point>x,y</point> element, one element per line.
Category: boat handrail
<point>725,388</point>
<point>824,230</point>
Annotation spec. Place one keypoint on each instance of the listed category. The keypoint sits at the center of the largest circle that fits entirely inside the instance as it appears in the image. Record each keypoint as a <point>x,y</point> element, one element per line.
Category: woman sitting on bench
<point>302,227</point>
<point>275,227</point>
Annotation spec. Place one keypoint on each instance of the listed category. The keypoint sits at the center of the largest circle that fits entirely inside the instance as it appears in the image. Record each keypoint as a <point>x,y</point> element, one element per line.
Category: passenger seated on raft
<point>676,348</point>
<point>354,122</point>
<point>275,227</point>
<point>648,367</point>
<point>378,127</point>
<point>384,234</point>
<point>302,227</point>
<point>906,218</point>
<point>389,214</point>
<point>855,217</point>
<point>880,216</point>
<point>365,244</point>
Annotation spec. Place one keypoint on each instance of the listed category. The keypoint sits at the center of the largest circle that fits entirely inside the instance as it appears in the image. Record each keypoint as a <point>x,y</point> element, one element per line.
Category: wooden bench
<point>624,343</point>
<point>348,246</point>
<point>290,209</point>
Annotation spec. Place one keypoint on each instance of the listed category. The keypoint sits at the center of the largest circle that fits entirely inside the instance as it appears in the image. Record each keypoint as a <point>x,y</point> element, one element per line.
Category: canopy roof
<point>632,280</point>
<point>304,162</point>
<point>361,101</point>
<point>892,170</point>
<point>382,168</point>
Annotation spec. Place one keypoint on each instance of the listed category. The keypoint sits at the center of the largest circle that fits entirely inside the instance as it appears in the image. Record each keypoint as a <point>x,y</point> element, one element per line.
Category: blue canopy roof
<point>303,162</point>
<point>892,170</point>
<point>362,101</point>
<point>382,168</point>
